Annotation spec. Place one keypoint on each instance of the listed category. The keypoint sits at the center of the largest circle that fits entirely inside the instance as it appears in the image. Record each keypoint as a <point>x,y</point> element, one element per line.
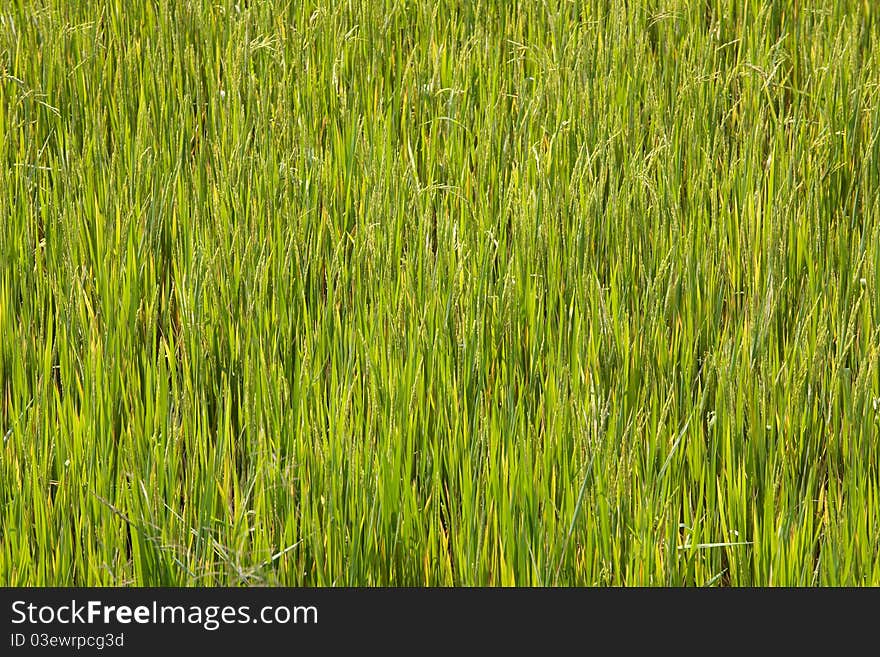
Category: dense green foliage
<point>396,292</point>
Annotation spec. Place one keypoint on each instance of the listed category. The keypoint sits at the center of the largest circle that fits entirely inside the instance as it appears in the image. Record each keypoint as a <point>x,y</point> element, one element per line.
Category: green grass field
<point>460,293</point>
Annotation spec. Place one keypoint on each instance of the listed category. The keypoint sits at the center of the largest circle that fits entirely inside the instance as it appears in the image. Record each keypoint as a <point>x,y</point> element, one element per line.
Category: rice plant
<point>398,292</point>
